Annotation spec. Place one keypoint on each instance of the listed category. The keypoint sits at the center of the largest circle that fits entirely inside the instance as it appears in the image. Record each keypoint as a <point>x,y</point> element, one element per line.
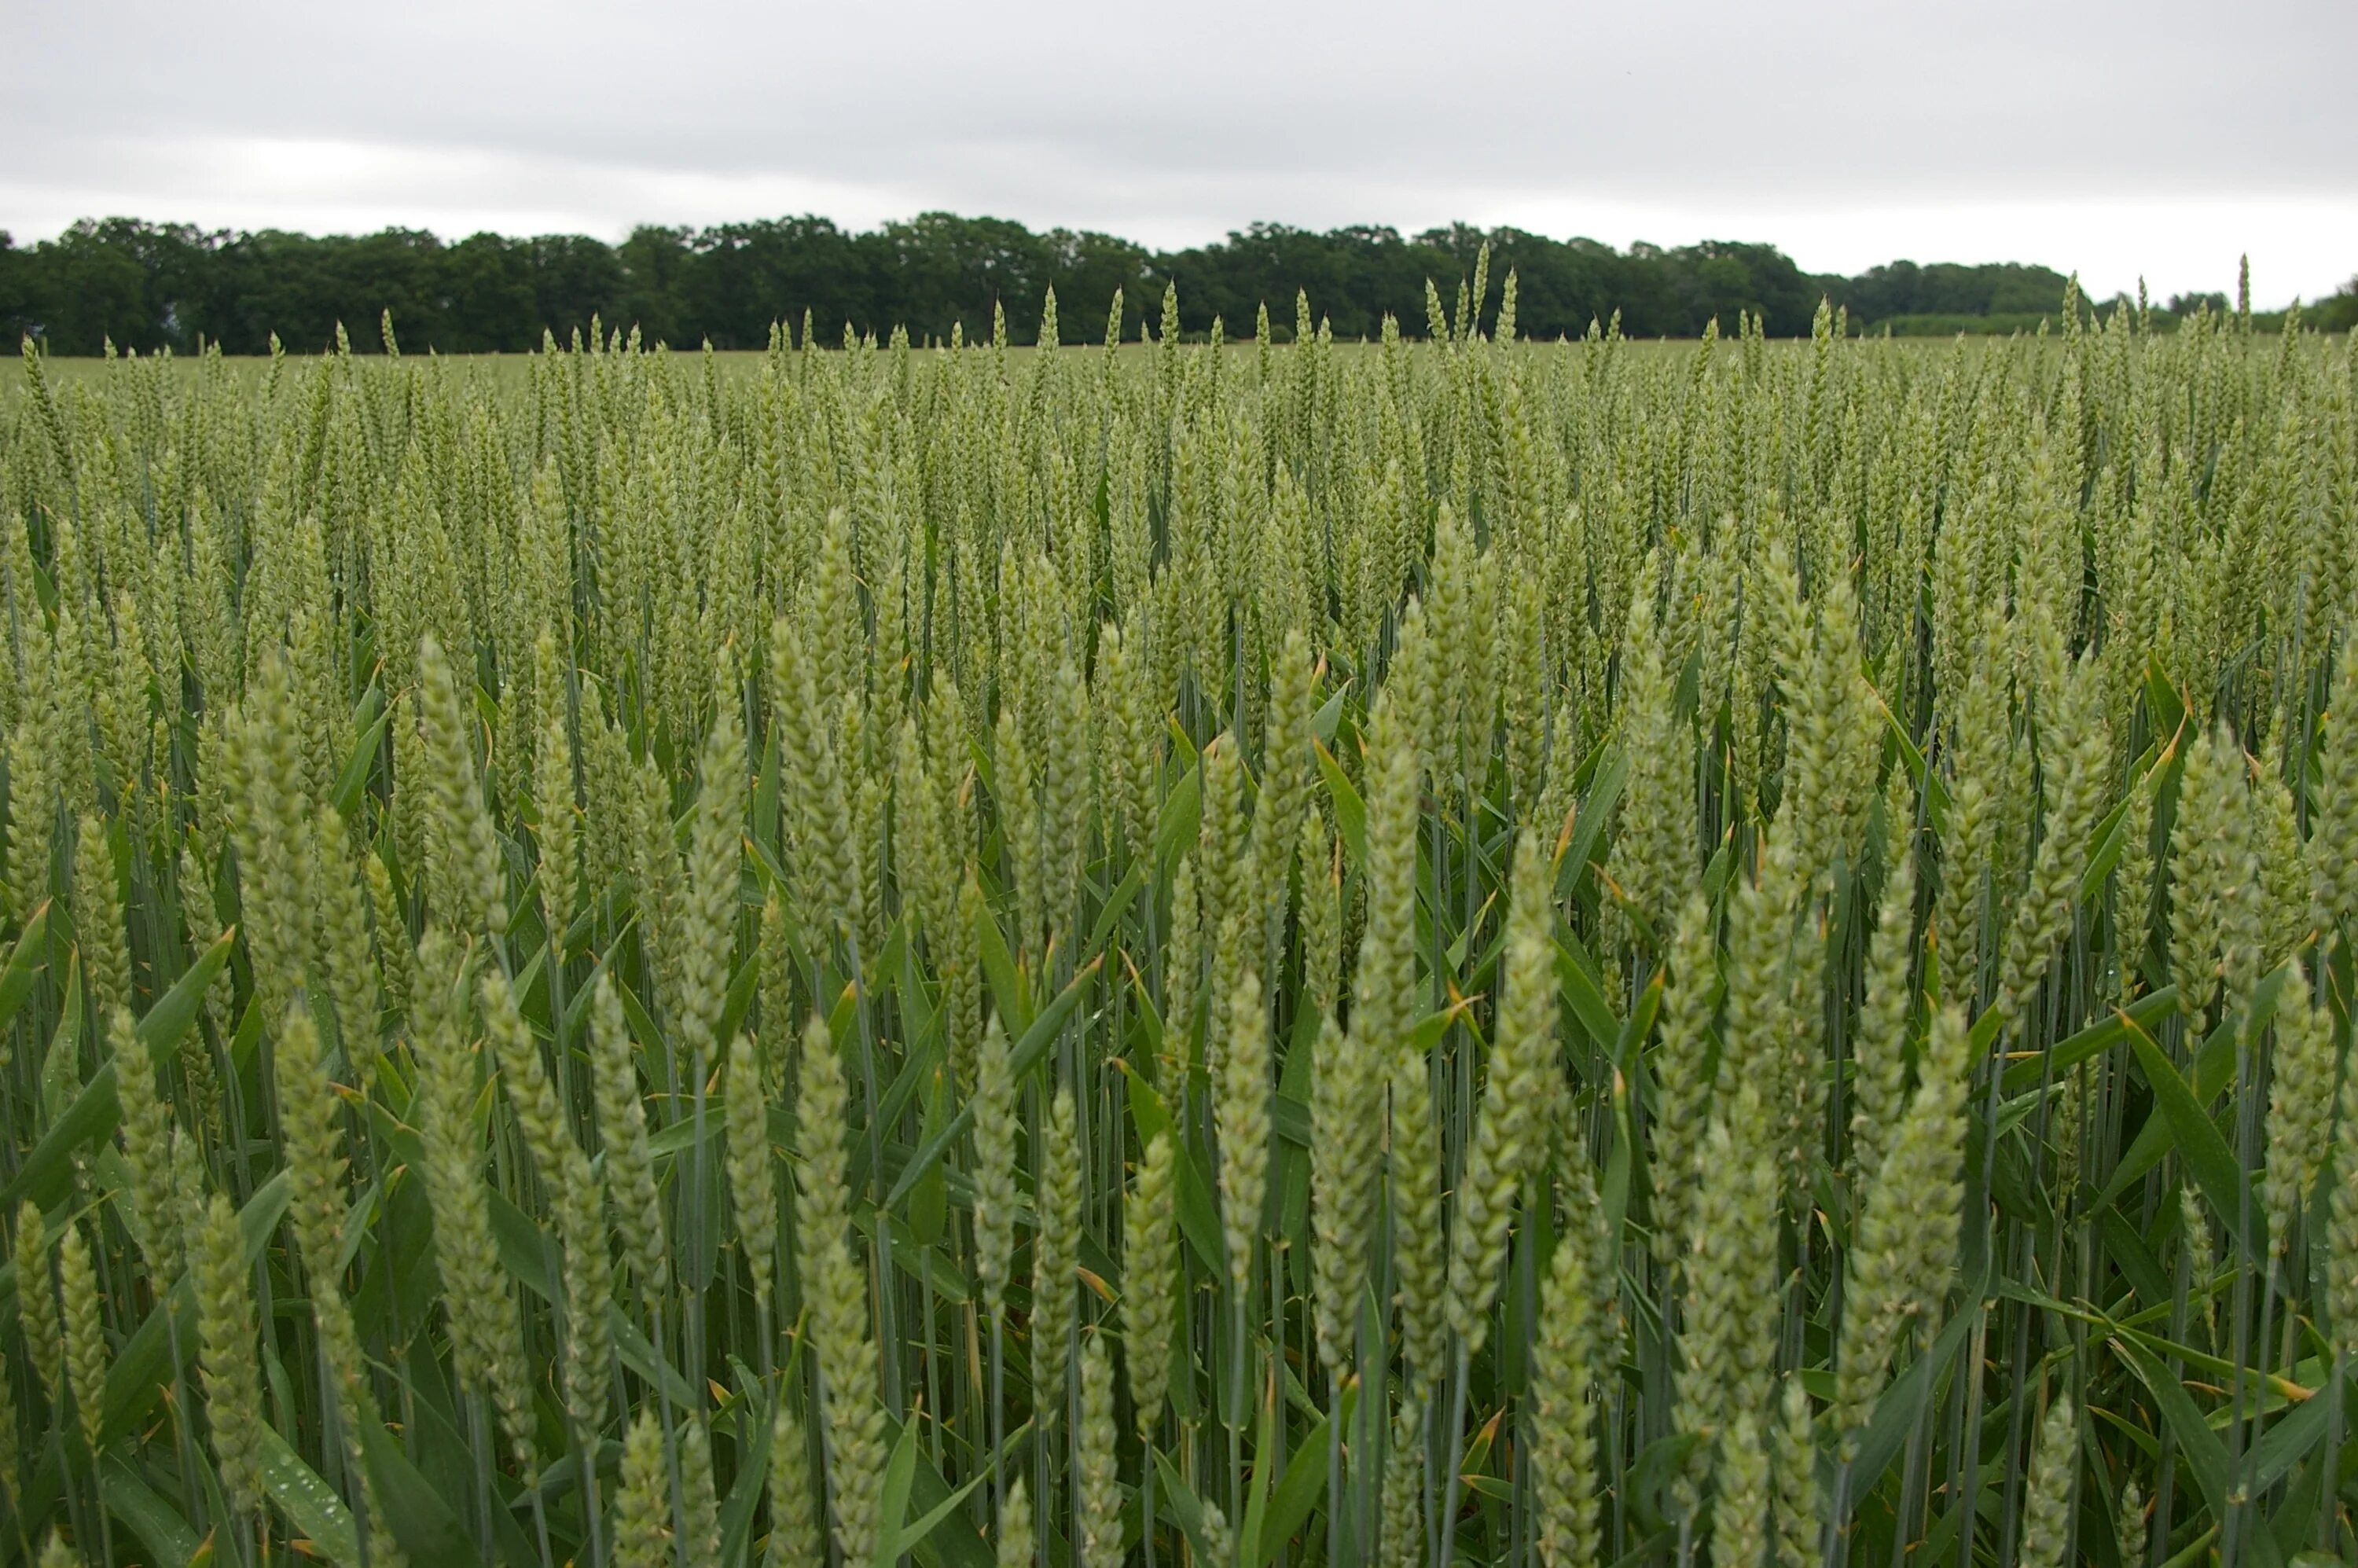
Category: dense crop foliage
<point>1561,955</point>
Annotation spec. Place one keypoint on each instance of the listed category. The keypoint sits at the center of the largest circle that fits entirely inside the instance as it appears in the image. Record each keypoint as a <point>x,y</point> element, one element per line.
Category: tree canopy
<point>154,285</point>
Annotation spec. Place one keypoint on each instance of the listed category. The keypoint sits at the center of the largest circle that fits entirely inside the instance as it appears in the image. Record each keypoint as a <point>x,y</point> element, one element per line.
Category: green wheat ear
<point>1015,1548</point>
<point>1575,1342</point>
<point>838,1299</point>
<point>2333,830</point>
<point>36,1301</point>
<point>1403,1493</point>
<point>1055,1251</point>
<point>1797,1507</point>
<point>1346,1145</point>
<point>1242,1111</point>
<point>2047,1525</point>
<point>233,1369</point>
<point>642,1510</point>
<point>462,854</point>
<point>994,1167</point>
<point>628,1159</point>
<point>85,1336</point>
<point>752,1187</point>
<point>1886,1015</point>
<point>794,1521</point>
<point>2341,1236</point>
<point>700,1505</point>
<point>1152,1282</point>
<point>1097,1487</point>
<point>106,959</point>
<point>2301,1107</point>
<point>148,1137</point>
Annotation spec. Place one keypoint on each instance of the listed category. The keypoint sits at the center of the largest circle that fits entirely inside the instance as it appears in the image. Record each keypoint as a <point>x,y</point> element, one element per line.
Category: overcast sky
<point>2155,137</point>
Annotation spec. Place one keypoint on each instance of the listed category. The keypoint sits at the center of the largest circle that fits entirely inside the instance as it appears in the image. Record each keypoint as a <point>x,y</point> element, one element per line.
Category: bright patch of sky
<point>2121,139</point>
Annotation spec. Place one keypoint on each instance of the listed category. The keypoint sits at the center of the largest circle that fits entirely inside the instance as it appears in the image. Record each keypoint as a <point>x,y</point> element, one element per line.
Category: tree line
<point>150,285</point>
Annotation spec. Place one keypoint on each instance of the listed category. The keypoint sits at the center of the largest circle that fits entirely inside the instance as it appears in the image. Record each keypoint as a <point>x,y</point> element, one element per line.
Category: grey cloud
<point>1316,114</point>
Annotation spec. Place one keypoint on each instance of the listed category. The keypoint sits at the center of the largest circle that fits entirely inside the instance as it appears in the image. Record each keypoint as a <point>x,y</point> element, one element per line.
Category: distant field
<point>496,366</point>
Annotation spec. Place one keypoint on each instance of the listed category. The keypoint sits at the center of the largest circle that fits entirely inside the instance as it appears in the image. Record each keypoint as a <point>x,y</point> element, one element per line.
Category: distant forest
<point>154,285</point>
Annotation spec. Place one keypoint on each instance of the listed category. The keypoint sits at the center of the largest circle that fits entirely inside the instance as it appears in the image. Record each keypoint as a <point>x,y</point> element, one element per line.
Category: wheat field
<point>1468,951</point>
